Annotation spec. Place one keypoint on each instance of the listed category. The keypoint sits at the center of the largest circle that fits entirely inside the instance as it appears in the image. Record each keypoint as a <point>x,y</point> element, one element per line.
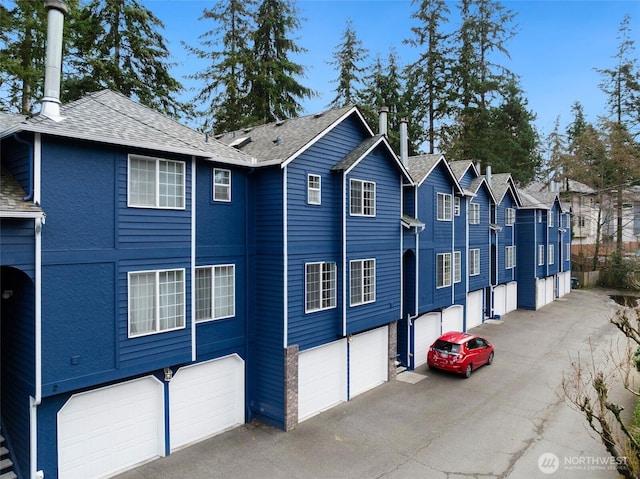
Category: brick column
<point>393,349</point>
<point>291,387</point>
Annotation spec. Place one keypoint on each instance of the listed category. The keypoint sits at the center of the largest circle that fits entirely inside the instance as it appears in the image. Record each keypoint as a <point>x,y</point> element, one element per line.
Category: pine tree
<point>347,58</point>
<point>430,72</point>
<point>225,80</point>
<point>275,93</point>
<point>121,48</point>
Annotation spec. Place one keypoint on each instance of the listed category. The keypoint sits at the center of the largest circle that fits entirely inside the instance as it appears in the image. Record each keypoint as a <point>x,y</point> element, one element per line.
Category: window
<point>457,266</point>
<point>552,253</point>
<point>510,216</point>
<point>363,198</point>
<point>510,257</point>
<point>567,257</point>
<point>215,292</point>
<point>221,185</point>
<point>320,282</point>
<point>539,216</point>
<point>444,207</point>
<point>551,219</point>
<point>582,222</point>
<point>456,206</point>
<point>474,213</point>
<point>363,281</point>
<point>474,262</point>
<point>443,270</point>
<point>156,183</point>
<point>540,255</point>
<point>156,301</point>
<point>314,196</point>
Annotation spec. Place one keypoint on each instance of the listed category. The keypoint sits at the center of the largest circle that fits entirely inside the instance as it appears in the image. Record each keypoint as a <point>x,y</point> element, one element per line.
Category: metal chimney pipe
<point>55,21</point>
<point>404,142</point>
<point>488,174</point>
<point>383,112</point>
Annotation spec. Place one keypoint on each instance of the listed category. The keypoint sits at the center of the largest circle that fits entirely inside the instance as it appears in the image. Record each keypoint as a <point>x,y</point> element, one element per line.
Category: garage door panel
<point>206,399</point>
<point>368,360</point>
<point>322,378</point>
<point>426,330</point>
<point>500,300</point>
<point>111,429</point>
<point>512,296</point>
<point>550,284</point>
<point>541,291</point>
<point>474,308</point>
<point>453,319</point>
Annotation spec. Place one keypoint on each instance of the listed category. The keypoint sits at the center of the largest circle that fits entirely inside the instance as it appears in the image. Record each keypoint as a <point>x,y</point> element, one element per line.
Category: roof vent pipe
<point>383,112</point>
<point>55,21</point>
<point>404,142</point>
<point>487,173</point>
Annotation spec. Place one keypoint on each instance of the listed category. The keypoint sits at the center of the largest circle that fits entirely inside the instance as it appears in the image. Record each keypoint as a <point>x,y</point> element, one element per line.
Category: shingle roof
<point>280,141</point>
<point>12,203</point>
<point>354,155</point>
<point>460,167</point>
<point>500,184</point>
<point>533,196</point>
<point>110,117</point>
<point>420,166</point>
<point>8,120</point>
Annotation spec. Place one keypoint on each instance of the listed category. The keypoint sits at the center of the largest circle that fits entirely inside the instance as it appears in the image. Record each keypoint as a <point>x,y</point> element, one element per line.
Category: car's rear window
<point>446,346</point>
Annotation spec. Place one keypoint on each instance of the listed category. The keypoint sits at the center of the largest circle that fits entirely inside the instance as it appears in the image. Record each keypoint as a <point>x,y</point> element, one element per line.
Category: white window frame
<point>551,219</point>
<point>214,293</point>
<point>552,254</point>
<point>540,255</point>
<point>314,189</point>
<point>162,194</point>
<point>474,213</point>
<point>156,308</point>
<point>457,266</point>
<point>474,262</point>
<point>443,270</point>
<point>362,281</point>
<point>326,293</point>
<point>510,257</point>
<point>539,216</point>
<point>510,217</point>
<point>568,255</point>
<point>224,188</point>
<point>362,198</point>
<point>444,206</point>
<point>456,206</point>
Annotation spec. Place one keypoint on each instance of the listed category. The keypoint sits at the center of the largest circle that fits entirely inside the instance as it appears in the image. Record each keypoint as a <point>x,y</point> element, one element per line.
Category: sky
<point>555,51</point>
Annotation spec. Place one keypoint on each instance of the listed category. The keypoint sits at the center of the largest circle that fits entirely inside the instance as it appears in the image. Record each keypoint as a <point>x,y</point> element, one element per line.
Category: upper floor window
<point>474,213</point>
<point>156,183</point>
<point>156,301</point>
<point>567,256</point>
<point>582,222</point>
<point>539,216</point>
<point>444,206</point>
<point>552,254</point>
<point>363,281</point>
<point>314,192</point>
<point>474,262</point>
<point>215,292</point>
<point>363,198</point>
<point>510,257</point>
<point>320,286</point>
<point>443,270</point>
<point>510,216</point>
<point>551,219</point>
<point>540,255</point>
<point>457,266</point>
<point>456,206</point>
<point>221,185</point>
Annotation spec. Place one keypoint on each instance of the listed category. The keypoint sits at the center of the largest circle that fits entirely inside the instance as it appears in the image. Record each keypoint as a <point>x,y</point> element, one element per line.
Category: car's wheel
<point>490,360</point>
<point>468,371</point>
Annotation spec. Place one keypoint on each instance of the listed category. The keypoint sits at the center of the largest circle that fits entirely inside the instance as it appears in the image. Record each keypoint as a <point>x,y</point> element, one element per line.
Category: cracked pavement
<point>495,425</point>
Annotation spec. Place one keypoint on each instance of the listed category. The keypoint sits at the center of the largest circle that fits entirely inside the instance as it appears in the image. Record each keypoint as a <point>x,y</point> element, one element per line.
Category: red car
<point>460,353</point>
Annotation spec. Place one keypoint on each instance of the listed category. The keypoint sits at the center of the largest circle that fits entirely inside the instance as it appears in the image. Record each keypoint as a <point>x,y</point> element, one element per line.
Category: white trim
<point>37,168</point>
<point>309,189</point>
<point>285,254</point>
<point>213,186</point>
<point>345,206</point>
<point>22,214</point>
<point>362,205</point>
<point>194,336</point>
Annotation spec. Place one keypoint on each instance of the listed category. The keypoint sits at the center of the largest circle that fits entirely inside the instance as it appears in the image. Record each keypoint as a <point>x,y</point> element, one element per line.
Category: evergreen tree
<point>121,48</point>
<point>347,58</point>
<point>226,79</point>
<point>430,72</point>
<point>275,93</point>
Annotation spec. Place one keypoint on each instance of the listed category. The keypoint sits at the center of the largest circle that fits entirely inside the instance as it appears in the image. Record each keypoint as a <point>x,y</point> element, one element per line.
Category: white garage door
<point>541,292</point>
<point>564,283</point>
<point>426,329</point>
<point>475,311</point>
<point>368,360</point>
<point>550,284</point>
<point>453,318</point>
<point>111,429</point>
<point>500,300</point>
<point>322,378</point>
<point>206,399</point>
<point>512,296</point>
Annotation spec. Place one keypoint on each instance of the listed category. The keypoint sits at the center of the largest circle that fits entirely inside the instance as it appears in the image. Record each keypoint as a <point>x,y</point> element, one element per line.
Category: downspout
<point>285,252</point>
<point>344,253</point>
<point>193,259</point>
<point>29,196</point>
<point>453,249</point>
<point>247,275</point>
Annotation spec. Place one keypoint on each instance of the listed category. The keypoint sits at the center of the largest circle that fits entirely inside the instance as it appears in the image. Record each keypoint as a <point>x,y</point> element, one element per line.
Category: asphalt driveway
<point>506,421</point>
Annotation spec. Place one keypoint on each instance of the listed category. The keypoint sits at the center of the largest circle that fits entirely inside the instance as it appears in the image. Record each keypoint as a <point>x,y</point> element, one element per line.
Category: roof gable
<point>363,149</point>
<point>421,166</point>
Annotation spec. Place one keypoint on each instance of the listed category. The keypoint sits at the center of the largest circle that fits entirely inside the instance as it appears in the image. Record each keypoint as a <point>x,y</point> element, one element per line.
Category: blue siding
<point>506,237</point>
<point>479,238</point>
<point>16,158</point>
<point>527,257</point>
<point>17,245</point>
